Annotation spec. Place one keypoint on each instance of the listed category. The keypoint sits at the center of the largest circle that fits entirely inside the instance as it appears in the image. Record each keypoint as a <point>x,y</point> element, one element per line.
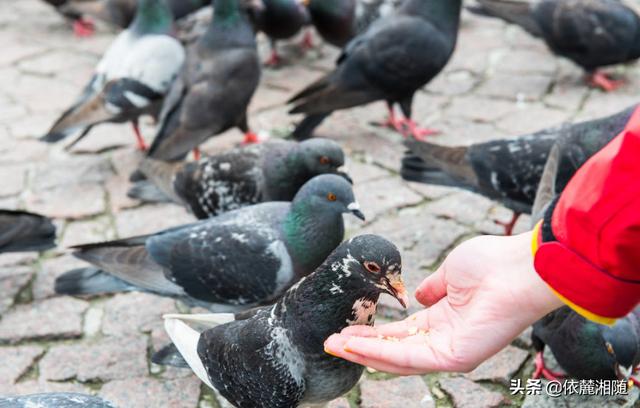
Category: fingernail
<point>326,350</point>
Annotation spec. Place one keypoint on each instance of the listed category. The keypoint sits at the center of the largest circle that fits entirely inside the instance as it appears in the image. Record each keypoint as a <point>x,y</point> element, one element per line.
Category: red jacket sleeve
<point>588,247</point>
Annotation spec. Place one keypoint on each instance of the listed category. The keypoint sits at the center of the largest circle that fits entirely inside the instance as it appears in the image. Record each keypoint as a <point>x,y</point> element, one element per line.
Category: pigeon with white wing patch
<point>274,356</point>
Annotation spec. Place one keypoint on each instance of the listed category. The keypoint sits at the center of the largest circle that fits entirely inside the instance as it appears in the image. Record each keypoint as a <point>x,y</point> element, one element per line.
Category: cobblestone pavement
<point>500,83</point>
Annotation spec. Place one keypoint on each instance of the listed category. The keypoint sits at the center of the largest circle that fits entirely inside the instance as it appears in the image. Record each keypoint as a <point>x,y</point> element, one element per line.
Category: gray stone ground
<point>500,83</point>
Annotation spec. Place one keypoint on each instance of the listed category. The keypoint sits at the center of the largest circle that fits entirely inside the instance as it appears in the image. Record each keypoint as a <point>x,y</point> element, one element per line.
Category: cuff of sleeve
<point>588,290</point>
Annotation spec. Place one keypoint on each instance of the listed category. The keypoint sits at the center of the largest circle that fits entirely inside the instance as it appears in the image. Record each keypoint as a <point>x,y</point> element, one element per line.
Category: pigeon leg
<point>412,129</point>
<point>543,371</point>
<point>83,27</point>
<point>508,226</point>
<point>136,130</point>
<point>392,121</point>
<point>600,80</point>
<point>274,59</point>
<point>196,154</point>
<point>307,41</point>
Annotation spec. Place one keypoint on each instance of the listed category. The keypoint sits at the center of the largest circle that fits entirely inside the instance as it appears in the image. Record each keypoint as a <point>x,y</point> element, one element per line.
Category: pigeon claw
<point>274,60</point>
<point>83,27</point>
<point>307,41</point>
<point>602,81</point>
<point>142,145</point>
<point>508,226</point>
<point>252,138</point>
<point>542,371</point>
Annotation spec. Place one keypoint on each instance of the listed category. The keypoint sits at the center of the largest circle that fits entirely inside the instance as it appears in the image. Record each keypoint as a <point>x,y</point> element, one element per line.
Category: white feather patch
<point>186,340</point>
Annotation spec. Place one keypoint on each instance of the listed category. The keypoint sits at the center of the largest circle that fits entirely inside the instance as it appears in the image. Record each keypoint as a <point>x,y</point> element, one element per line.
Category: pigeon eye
<point>324,160</point>
<point>372,267</point>
<point>331,197</point>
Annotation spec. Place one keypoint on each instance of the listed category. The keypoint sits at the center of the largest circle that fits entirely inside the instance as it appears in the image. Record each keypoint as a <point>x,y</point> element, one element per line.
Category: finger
<point>360,331</point>
<point>407,327</point>
<point>433,288</point>
<point>335,346</point>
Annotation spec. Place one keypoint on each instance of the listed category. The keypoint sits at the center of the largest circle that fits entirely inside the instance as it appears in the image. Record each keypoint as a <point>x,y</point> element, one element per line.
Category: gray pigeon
<point>55,400</point>
<point>509,170</point>
<point>591,33</point>
<point>239,259</point>
<point>21,231</point>
<point>130,80</point>
<point>272,171</point>
<point>214,88</point>
<point>274,356</point>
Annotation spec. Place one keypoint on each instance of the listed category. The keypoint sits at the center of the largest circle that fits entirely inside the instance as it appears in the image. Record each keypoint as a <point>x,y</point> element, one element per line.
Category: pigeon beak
<point>354,208</point>
<point>398,291</point>
<point>344,175</point>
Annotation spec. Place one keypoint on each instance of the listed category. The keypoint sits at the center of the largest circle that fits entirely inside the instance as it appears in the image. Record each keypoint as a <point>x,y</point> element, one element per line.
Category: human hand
<point>483,295</point>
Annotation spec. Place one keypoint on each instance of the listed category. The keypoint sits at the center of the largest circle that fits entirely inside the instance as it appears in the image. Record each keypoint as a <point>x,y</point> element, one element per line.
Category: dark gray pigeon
<point>591,33</point>
<point>390,61</point>
<point>587,350</point>
<point>21,231</point>
<point>272,171</point>
<point>214,88</point>
<point>335,20</point>
<point>368,11</point>
<point>509,170</point>
<point>130,80</point>
<point>55,400</point>
<point>239,259</point>
<point>274,357</point>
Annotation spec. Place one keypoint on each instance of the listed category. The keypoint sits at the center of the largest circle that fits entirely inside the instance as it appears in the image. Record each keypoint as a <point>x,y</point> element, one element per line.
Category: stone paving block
<point>85,232</point>
<point>72,202</point>
<point>151,218</point>
<point>111,358</point>
<point>109,136</point>
<point>38,387</point>
<point>58,318</point>
<point>16,361</point>
<point>480,109</point>
<point>467,394</point>
<point>501,367</point>
<point>545,401</point>
<point>143,392</point>
<point>12,281</point>
<point>131,313</point>
<point>407,392</point>
<point>524,339</point>
<point>531,118</point>
<point>24,151</point>
<point>523,61</point>
<point>71,170</point>
<point>43,285</point>
<point>516,86</point>
<point>17,258</point>
<point>375,198</point>
<point>51,62</point>
<point>464,207</point>
<point>339,403</point>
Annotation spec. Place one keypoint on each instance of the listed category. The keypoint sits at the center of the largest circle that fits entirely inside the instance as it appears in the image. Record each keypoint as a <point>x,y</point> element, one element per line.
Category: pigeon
<point>585,349</point>
<point>236,260</point>
<point>280,20</point>
<point>55,400</point>
<point>390,61</point>
<point>274,357</point>
<point>214,88</point>
<point>21,231</point>
<point>132,78</point>
<point>509,170</point>
<point>335,20</point>
<point>368,11</point>
<point>272,171</point>
<point>119,13</point>
<point>591,33</point>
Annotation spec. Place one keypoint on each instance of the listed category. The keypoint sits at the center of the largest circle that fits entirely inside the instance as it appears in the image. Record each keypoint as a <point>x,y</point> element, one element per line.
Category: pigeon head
<point>152,16</point>
<point>327,194</point>
<point>321,156</point>
<point>374,260</point>
<point>621,342</point>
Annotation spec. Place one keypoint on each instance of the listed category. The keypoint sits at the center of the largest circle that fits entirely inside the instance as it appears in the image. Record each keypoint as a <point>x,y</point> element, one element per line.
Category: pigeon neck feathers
<point>229,28</point>
<point>444,14</point>
<point>333,297</point>
<point>152,17</point>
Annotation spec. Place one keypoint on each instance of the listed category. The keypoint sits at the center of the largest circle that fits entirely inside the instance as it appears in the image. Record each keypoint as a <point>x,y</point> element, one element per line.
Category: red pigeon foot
<point>252,138</point>
<point>274,60</point>
<point>139,139</point>
<point>508,226</point>
<point>196,154</point>
<point>83,27</point>
<point>307,41</point>
<point>602,81</point>
<point>543,371</point>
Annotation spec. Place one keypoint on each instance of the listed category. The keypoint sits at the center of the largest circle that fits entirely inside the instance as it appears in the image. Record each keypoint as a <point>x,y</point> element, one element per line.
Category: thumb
<point>433,288</point>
